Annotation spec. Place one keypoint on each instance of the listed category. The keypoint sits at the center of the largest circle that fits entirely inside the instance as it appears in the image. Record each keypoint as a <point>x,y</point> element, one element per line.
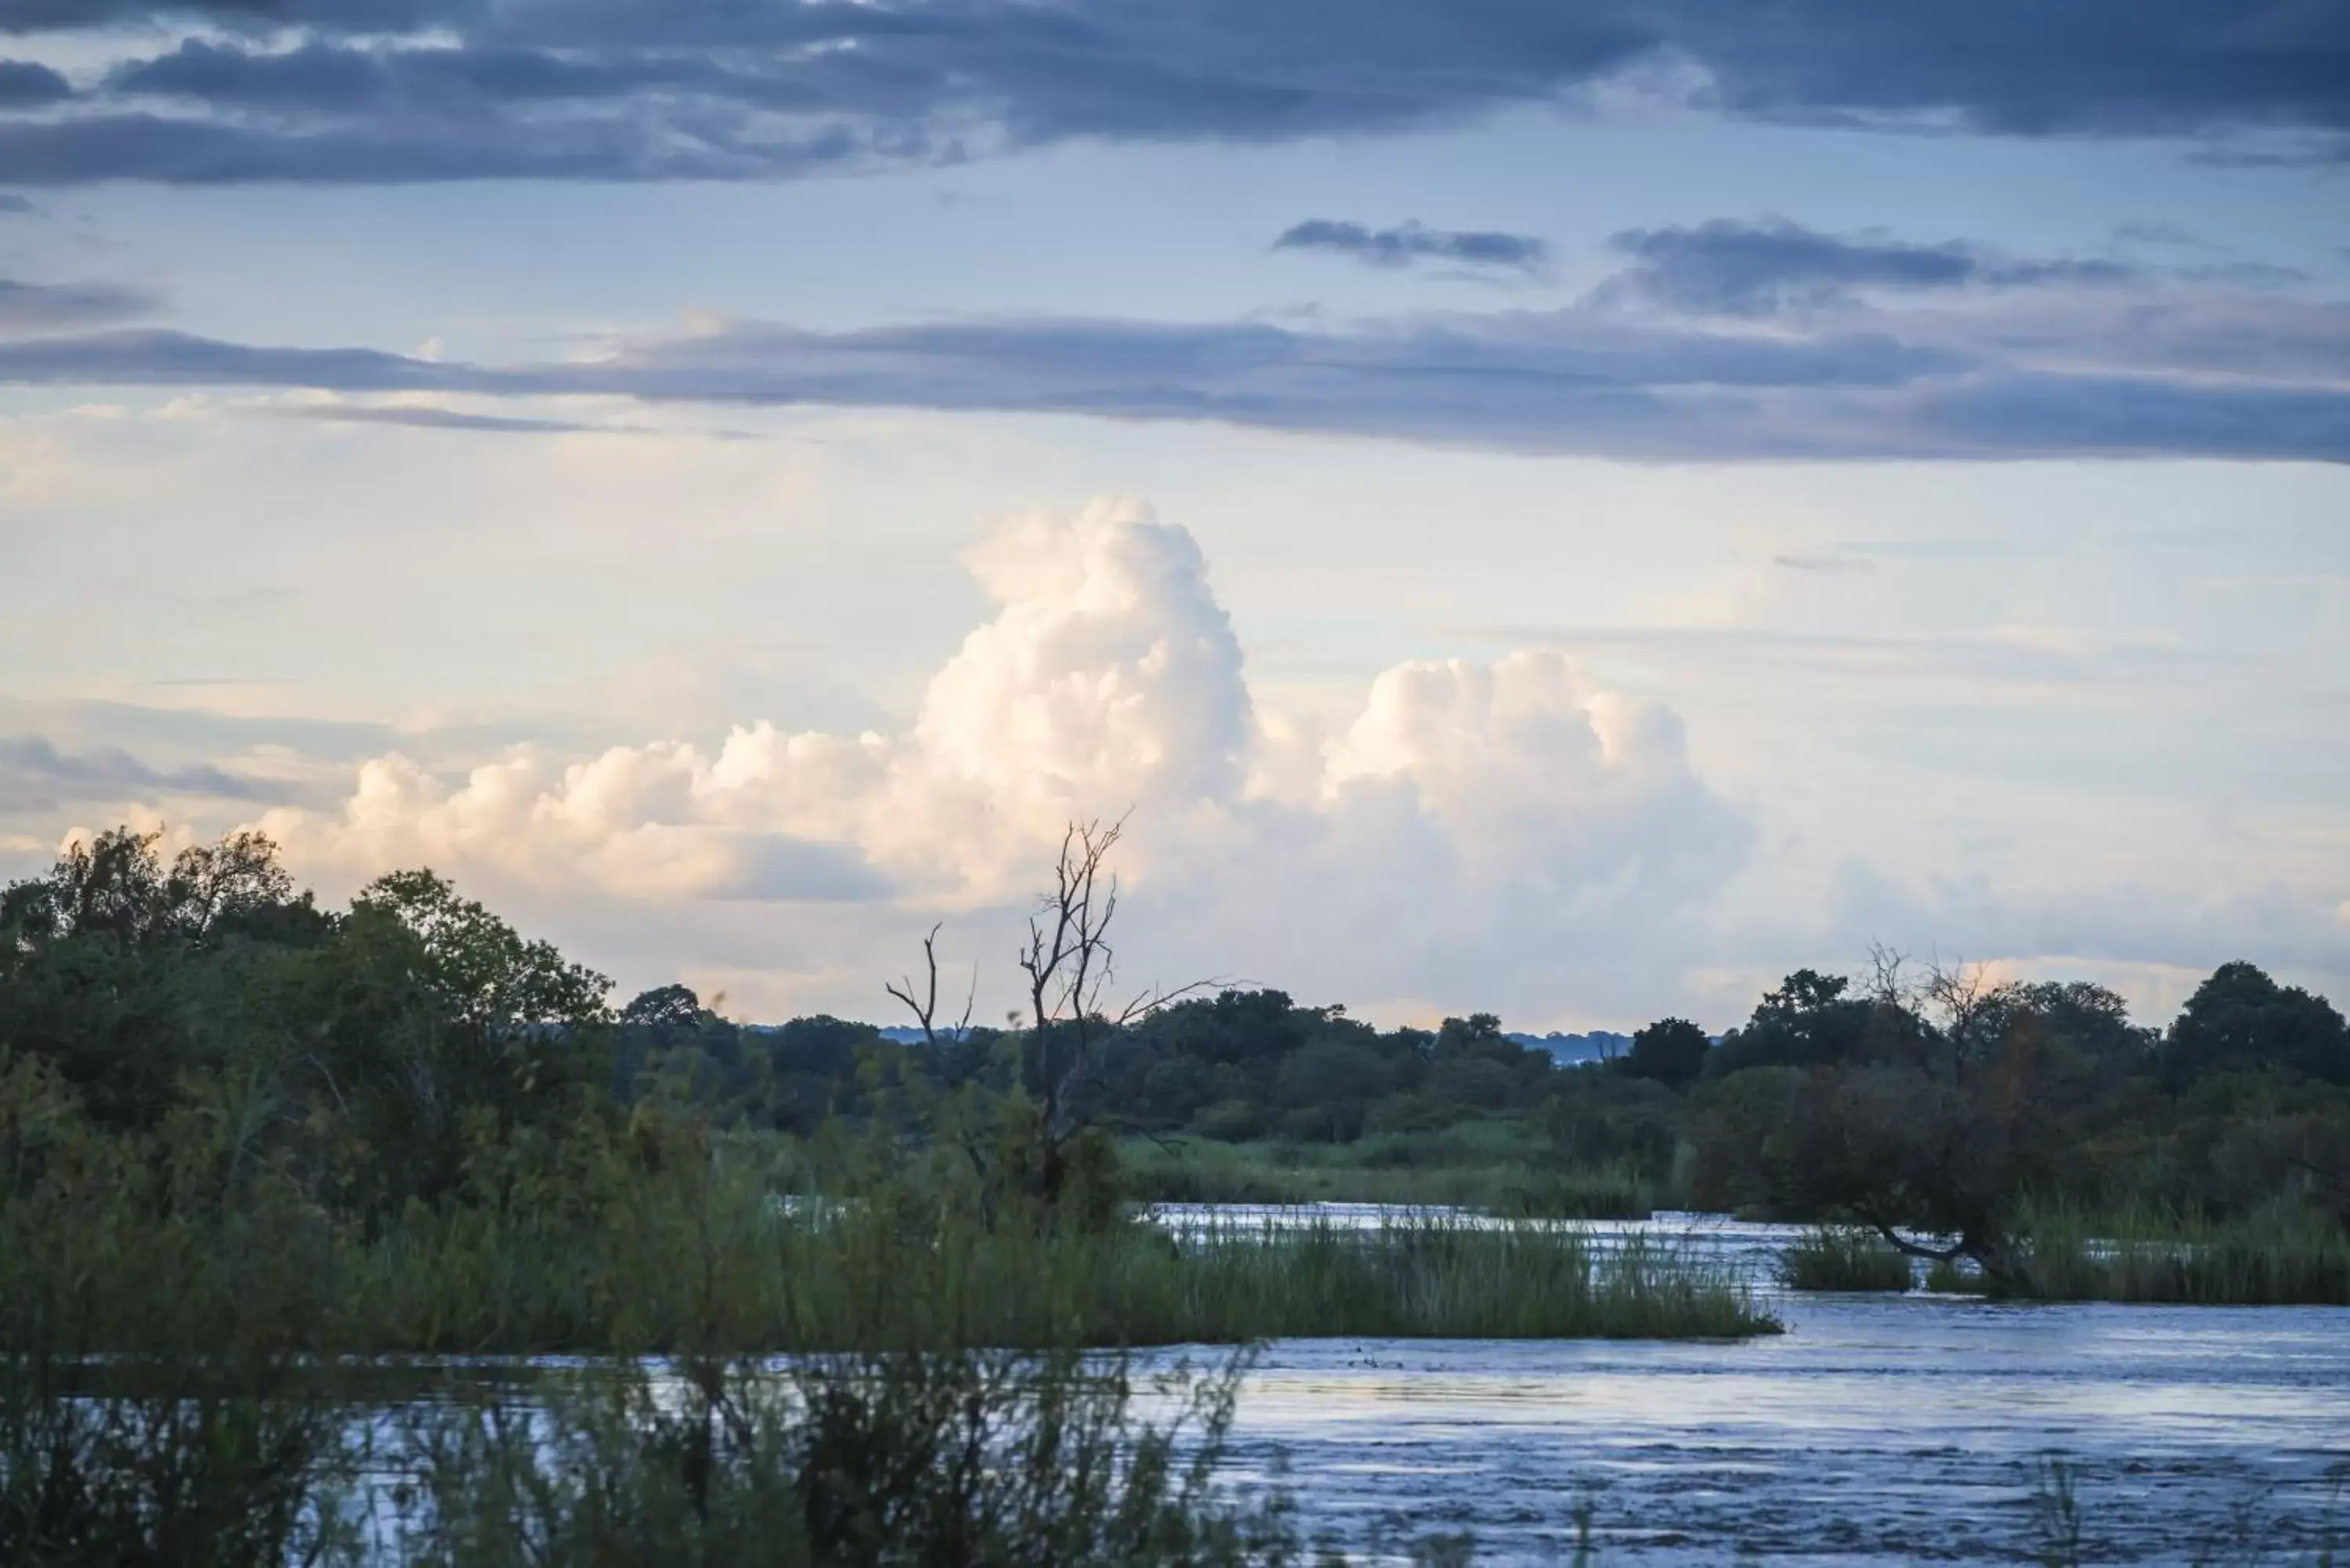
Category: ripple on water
<point>1877,1428</point>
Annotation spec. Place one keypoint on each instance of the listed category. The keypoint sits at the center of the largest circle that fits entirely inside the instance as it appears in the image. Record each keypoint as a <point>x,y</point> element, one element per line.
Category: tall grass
<point>2281,1256</point>
<point>1843,1258</point>
<point>701,1257</point>
<point>957,1457</point>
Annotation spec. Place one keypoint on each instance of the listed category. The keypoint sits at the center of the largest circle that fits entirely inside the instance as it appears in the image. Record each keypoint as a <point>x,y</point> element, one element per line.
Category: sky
<point>1568,510</point>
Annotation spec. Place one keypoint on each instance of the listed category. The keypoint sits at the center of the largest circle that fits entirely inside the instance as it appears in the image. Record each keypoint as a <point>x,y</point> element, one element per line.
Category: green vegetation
<point>654,1242</point>
<point>1497,1166</point>
<point>962,1456</point>
<point>2278,1257</point>
<point>256,1156</point>
<point>1943,1113</point>
<point>1843,1258</point>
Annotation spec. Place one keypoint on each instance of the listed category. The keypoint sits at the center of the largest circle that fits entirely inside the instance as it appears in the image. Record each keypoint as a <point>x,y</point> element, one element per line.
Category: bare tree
<point>1967,1008</point>
<point>925,1012</point>
<point>1071,969</point>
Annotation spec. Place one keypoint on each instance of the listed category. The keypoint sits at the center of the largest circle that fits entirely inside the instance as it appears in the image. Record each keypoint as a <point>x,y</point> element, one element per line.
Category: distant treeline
<point>373,1047</point>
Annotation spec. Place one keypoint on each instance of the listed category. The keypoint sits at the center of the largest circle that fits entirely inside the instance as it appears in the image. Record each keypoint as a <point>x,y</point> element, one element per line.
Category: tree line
<point>375,1051</point>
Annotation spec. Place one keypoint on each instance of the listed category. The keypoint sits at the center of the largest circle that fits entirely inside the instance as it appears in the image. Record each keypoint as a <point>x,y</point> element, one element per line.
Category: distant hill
<point>1599,1044</point>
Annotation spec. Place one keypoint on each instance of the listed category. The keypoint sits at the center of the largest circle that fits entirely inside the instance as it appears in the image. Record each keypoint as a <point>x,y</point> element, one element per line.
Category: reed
<point>960,1456</point>
<point>757,1280</point>
<point>1843,1258</point>
<point>2281,1256</point>
<point>703,1258</point>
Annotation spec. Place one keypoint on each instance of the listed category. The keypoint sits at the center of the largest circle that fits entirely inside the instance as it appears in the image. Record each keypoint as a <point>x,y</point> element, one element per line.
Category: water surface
<point>1877,1428</point>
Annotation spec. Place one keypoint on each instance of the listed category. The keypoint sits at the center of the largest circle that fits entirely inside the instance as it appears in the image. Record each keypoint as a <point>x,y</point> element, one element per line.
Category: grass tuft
<point>1843,1258</point>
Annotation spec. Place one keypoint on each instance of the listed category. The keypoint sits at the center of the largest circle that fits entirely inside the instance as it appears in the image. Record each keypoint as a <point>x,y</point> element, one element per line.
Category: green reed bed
<point>2281,1257</point>
<point>709,1262</point>
<point>1843,1258</point>
<point>1440,1277</point>
<point>779,1281</point>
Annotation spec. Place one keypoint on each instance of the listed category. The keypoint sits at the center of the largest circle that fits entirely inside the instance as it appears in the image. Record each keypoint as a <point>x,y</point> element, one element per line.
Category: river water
<point>1877,1428</point>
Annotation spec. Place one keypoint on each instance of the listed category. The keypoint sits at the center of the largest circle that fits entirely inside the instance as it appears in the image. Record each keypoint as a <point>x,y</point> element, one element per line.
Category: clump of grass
<point>2278,1257</point>
<point>962,1456</point>
<point>172,1463</point>
<point>1843,1258</point>
<point>1440,1277</point>
<point>872,1458</point>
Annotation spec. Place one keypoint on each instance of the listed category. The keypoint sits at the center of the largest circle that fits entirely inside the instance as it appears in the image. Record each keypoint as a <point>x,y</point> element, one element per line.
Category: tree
<point>1809,1019</point>
<point>1069,965</point>
<point>1672,1050</point>
<point>2240,1019</point>
<point>663,1007</point>
<point>487,972</point>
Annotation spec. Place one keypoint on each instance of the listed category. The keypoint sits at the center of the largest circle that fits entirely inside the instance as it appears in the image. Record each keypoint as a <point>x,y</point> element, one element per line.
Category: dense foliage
<point>413,1049</point>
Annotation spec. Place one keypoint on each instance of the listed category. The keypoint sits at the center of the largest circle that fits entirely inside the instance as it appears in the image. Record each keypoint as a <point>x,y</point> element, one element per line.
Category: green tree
<point>2240,1019</point>
<point>1672,1050</point>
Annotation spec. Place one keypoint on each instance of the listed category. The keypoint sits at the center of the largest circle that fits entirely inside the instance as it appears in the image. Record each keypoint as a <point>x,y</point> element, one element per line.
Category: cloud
<point>44,305</point>
<point>436,418</point>
<point>1825,562</point>
<point>15,203</point>
<point>1729,268</point>
<point>437,90</point>
<point>27,85</point>
<point>2171,368</point>
<point>1412,244</point>
<point>1517,805</point>
<point>37,777</point>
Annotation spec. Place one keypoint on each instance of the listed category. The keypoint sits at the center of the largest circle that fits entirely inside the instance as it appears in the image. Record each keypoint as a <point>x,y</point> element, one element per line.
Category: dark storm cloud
<point>1411,243</point>
<point>2205,375</point>
<point>24,84</point>
<point>40,306</point>
<point>1731,268</point>
<point>722,90</point>
<point>37,777</point>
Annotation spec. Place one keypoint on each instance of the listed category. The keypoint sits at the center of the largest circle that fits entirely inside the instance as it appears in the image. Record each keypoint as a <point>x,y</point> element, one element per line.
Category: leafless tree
<point>926,1011</point>
<point>1960,1001</point>
<point>1966,1007</point>
<point>1071,969</point>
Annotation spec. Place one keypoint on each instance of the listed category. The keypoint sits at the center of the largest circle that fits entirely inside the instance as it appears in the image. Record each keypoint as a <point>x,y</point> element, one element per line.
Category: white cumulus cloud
<point>1513,815</point>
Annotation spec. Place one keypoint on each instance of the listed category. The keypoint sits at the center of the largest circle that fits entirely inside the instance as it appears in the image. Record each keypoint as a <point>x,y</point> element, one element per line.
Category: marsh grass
<point>962,1456</point>
<point>749,1278</point>
<point>874,1457</point>
<point>2278,1257</point>
<point>702,1257</point>
<point>1843,1258</point>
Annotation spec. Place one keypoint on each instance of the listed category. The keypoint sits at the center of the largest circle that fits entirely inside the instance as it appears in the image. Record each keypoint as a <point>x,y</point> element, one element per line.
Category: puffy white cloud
<point>1513,810</point>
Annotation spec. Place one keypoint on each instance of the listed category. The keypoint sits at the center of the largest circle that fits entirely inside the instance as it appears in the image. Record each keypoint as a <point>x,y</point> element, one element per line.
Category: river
<point>1877,1428</point>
